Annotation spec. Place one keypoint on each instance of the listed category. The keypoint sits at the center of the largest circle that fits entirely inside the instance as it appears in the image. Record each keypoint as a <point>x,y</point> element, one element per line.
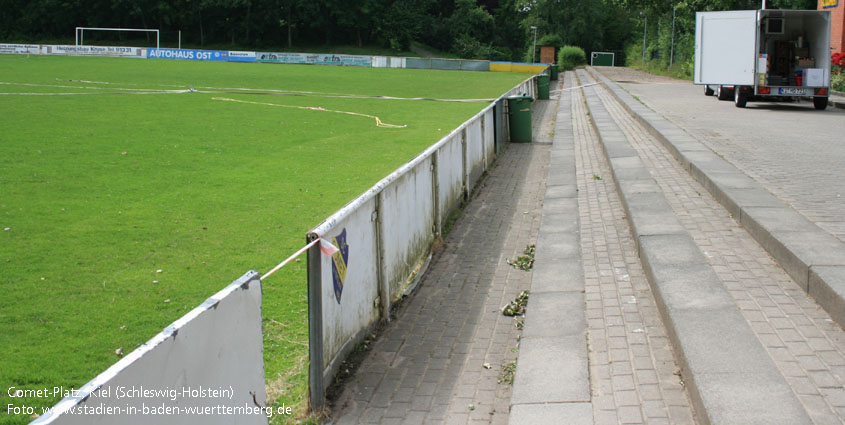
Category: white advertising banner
<point>236,56</point>
<point>20,49</point>
<point>136,52</point>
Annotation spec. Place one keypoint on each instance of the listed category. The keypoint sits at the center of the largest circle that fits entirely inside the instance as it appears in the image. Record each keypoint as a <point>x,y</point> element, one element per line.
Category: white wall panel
<point>450,179</point>
<point>407,217</point>
<point>353,307</point>
<point>217,346</point>
<point>475,152</point>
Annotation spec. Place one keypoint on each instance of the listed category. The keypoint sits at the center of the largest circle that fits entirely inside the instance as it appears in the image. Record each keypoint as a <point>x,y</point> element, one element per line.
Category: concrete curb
<point>729,375</point>
<point>552,382</point>
<point>805,251</point>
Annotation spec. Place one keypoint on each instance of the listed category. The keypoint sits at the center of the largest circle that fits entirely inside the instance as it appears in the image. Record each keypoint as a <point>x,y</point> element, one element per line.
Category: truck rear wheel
<point>820,103</point>
<point>740,98</point>
<point>708,91</point>
<point>723,93</point>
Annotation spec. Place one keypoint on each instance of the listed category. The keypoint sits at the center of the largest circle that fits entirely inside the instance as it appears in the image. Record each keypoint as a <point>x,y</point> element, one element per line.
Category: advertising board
<point>189,54</point>
<point>235,56</point>
<point>315,59</point>
<point>20,49</point>
<point>135,52</point>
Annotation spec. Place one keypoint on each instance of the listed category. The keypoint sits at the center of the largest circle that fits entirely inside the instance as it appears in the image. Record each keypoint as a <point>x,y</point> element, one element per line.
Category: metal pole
<point>383,284</point>
<point>315,325</point>
<point>672,51</point>
<point>180,39</point>
<point>645,28</point>
<point>76,34</point>
<point>534,50</point>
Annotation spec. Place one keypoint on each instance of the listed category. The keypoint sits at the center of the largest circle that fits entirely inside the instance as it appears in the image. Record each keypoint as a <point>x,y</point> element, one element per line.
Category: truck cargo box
<point>758,53</point>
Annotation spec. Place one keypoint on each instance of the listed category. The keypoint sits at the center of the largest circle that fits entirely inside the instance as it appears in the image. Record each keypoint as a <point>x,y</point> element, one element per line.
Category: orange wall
<point>837,27</point>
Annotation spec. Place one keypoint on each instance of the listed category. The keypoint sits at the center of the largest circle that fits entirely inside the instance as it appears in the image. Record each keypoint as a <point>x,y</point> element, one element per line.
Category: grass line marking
<point>282,92</point>
<point>379,122</point>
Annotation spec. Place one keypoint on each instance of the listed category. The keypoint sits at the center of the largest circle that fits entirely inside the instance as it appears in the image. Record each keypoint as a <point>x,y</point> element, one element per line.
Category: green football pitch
<point>131,190</point>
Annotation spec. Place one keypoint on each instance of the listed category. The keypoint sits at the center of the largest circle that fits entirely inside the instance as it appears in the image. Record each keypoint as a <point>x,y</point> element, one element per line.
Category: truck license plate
<point>792,91</point>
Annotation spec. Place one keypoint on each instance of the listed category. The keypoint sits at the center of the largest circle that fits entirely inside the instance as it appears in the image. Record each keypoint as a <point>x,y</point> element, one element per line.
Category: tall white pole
<point>645,28</point>
<point>672,51</point>
<point>534,50</point>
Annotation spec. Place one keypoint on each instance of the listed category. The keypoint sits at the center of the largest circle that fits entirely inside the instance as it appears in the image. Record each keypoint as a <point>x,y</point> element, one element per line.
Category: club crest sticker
<point>339,261</point>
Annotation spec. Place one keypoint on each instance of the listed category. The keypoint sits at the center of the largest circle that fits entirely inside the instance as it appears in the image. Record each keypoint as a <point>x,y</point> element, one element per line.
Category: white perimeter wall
<point>390,230</point>
<point>218,346</point>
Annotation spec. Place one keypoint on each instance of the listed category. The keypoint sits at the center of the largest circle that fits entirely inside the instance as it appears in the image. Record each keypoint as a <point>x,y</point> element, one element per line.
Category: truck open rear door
<point>725,47</point>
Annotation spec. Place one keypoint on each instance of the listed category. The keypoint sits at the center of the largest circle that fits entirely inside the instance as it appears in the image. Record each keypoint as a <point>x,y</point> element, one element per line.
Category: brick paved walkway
<point>792,150</point>
<point>428,365</point>
<point>804,343</point>
<point>632,369</point>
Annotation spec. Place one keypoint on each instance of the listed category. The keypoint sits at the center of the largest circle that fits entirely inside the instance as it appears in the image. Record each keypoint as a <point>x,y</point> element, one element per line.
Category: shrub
<point>467,47</point>
<point>682,69</point>
<point>571,56</point>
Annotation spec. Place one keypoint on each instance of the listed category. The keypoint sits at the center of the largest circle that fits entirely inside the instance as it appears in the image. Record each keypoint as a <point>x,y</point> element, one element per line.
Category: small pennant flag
<point>328,248</point>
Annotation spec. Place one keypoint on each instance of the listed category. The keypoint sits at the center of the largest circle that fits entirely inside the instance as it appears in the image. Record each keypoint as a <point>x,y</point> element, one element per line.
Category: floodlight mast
<point>80,33</point>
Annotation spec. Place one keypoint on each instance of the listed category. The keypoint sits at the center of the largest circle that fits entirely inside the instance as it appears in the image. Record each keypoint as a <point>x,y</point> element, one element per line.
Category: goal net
<point>80,33</point>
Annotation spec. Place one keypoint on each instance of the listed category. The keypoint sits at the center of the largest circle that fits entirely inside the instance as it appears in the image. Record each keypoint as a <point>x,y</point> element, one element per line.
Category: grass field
<point>120,212</point>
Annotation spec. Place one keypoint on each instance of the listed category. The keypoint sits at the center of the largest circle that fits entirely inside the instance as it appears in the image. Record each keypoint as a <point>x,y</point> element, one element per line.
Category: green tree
<point>359,17</point>
<point>404,22</point>
<point>471,30</point>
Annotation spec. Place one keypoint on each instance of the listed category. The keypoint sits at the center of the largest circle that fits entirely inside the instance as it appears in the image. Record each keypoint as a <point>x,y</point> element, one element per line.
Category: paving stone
<point>557,247</point>
<point>733,389</point>
<point>650,214</point>
<point>630,415</point>
<point>619,148</point>
<point>562,355</point>
<point>555,314</point>
<point>560,191</point>
<point>557,276</point>
<point>552,414</point>
<point>414,418</point>
<point>827,286</point>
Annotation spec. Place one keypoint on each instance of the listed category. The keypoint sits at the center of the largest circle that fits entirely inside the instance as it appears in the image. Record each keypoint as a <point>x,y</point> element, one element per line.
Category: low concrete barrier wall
<point>385,238</point>
<point>207,367</point>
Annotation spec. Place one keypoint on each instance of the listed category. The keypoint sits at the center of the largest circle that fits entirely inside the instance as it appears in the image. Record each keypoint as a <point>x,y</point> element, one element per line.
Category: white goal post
<point>80,33</point>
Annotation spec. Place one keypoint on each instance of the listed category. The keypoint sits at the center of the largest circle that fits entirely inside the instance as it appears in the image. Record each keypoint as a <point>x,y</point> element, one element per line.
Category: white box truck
<point>751,54</point>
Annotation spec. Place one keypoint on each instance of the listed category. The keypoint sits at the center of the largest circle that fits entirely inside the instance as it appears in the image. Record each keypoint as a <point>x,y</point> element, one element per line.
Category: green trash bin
<point>543,86</point>
<point>554,71</point>
<point>519,118</point>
